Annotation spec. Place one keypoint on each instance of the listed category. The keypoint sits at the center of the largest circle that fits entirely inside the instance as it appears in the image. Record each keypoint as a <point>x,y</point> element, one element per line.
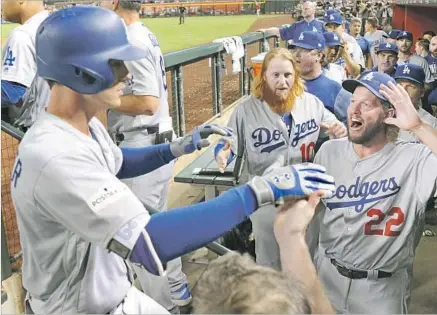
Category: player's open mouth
<point>355,123</point>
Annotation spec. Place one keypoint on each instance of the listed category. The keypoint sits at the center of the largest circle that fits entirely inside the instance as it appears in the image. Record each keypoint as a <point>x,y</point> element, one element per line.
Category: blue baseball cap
<point>310,40</point>
<point>393,34</point>
<point>371,81</point>
<point>405,34</point>
<point>334,18</point>
<point>388,47</point>
<point>332,39</point>
<point>410,72</point>
<point>432,97</point>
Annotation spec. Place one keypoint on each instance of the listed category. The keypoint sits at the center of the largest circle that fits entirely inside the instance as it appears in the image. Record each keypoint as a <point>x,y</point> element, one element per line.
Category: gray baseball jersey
<point>148,78</point>
<point>374,40</point>
<point>371,221</point>
<point>425,116</point>
<point>69,206</point>
<point>19,65</point>
<point>268,142</point>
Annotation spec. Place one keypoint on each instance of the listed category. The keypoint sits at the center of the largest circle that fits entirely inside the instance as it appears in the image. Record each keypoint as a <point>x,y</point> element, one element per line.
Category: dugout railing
<point>220,90</point>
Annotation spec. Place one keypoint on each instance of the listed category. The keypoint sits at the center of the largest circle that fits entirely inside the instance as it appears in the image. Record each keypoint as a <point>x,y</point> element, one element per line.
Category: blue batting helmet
<point>75,45</point>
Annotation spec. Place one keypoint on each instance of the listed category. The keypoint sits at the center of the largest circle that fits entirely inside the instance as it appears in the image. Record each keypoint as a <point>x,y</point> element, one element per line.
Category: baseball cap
<point>370,80</point>
<point>410,72</point>
<point>405,34</point>
<point>393,34</point>
<point>334,18</point>
<point>332,39</point>
<point>388,47</point>
<point>310,40</point>
<point>432,97</point>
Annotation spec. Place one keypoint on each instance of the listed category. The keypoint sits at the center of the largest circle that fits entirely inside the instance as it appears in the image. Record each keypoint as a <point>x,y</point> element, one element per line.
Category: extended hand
<point>223,156</point>
<point>197,139</point>
<point>294,181</point>
<point>294,216</point>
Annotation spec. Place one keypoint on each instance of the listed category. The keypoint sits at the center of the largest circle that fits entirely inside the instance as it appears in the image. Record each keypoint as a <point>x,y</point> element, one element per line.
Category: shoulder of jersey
<point>20,33</point>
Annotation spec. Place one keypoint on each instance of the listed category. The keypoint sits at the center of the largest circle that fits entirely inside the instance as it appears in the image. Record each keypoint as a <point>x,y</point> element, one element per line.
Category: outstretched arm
<point>405,116</point>
<point>290,226</point>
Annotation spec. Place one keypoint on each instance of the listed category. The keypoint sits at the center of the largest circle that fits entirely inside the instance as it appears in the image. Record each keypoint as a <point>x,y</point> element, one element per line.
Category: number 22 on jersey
<point>374,226</point>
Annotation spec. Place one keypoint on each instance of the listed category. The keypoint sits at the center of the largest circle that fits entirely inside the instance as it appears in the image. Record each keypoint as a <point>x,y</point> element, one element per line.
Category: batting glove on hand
<point>293,181</point>
<point>197,139</point>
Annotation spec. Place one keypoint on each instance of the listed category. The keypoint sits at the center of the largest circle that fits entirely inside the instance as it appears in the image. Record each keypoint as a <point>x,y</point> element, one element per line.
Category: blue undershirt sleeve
<point>12,93</point>
<point>140,161</point>
<point>182,230</point>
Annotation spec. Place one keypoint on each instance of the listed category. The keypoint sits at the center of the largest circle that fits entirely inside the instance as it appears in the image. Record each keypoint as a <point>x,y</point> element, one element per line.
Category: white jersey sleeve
<point>19,63</point>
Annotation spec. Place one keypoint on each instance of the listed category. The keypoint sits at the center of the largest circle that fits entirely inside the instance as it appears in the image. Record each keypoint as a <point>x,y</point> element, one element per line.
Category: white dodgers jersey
<point>148,78</point>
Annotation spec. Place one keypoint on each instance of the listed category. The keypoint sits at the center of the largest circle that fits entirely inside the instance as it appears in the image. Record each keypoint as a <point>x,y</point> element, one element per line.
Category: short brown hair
<point>372,21</point>
<point>235,284</point>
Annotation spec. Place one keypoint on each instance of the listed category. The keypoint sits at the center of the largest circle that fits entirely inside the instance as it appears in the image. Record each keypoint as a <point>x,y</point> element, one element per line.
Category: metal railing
<point>176,60</point>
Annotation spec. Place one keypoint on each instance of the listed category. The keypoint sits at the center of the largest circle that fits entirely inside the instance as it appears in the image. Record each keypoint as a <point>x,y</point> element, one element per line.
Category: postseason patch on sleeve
<point>106,195</point>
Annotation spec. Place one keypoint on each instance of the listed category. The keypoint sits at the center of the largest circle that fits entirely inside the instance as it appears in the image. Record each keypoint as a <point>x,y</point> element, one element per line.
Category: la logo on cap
<point>405,33</point>
<point>368,77</point>
<point>335,37</point>
<point>314,29</point>
<point>331,17</point>
<point>388,45</point>
<point>301,36</point>
<point>406,70</point>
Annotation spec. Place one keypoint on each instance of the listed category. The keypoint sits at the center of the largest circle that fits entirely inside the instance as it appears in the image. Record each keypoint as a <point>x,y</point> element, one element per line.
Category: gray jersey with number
<point>371,222</point>
<point>267,141</point>
<point>148,78</point>
<point>425,116</point>
<point>69,206</point>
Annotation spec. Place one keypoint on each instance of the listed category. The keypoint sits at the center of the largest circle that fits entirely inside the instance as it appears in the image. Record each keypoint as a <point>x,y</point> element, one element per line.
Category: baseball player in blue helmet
<point>79,224</point>
<point>367,234</point>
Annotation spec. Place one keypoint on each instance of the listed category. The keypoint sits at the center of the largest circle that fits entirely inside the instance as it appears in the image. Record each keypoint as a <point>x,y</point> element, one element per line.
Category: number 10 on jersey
<point>307,151</point>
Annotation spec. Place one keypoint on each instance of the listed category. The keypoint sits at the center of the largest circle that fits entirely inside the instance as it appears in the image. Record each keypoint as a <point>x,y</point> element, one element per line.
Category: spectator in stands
<point>431,58</point>
<point>234,284</point>
<point>355,32</point>
<point>293,31</point>
<point>405,43</point>
<point>428,35</point>
<point>374,36</point>
<point>353,60</point>
<point>308,51</point>
<point>332,52</point>
<point>422,47</point>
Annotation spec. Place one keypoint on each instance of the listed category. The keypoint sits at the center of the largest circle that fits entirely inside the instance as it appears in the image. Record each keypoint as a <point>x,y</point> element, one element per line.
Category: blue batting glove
<point>197,139</point>
<point>294,181</point>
